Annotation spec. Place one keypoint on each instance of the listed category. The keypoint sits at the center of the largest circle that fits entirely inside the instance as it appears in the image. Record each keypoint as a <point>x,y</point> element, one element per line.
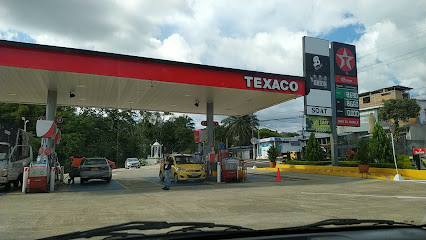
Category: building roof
<point>396,87</point>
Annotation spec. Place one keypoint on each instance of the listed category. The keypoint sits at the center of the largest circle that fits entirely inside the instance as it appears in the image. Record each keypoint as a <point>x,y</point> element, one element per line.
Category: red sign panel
<point>204,123</point>
<point>353,122</point>
<point>345,59</point>
<point>418,151</point>
<point>346,80</point>
<point>197,136</point>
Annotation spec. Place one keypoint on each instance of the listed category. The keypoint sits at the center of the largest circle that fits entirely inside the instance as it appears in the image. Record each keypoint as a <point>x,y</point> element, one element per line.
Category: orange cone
<point>278,176</point>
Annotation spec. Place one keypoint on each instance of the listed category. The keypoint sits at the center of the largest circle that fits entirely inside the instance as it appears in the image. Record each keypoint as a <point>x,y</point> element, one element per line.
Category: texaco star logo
<point>345,59</point>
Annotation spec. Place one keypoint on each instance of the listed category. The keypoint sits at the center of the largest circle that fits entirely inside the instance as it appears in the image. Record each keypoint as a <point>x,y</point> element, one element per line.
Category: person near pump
<point>167,172</point>
<point>75,171</point>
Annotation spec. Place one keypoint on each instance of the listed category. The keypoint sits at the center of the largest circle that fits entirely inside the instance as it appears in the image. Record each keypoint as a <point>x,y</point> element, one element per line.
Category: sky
<point>263,35</point>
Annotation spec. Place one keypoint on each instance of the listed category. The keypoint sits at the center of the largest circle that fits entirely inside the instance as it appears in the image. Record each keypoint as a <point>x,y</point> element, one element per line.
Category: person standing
<point>75,171</point>
<point>168,172</point>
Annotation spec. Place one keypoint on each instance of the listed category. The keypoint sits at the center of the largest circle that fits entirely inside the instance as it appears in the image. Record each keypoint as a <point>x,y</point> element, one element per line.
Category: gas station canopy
<point>104,80</point>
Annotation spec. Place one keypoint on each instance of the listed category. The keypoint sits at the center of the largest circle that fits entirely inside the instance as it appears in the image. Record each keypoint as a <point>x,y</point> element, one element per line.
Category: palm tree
<point>240,128</point>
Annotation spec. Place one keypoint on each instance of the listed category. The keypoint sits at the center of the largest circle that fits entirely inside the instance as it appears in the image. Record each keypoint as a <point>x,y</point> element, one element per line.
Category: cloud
<point>254,35</point>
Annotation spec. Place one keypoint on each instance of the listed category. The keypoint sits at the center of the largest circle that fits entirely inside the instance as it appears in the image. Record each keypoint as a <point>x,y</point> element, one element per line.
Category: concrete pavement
<point>258,203</point>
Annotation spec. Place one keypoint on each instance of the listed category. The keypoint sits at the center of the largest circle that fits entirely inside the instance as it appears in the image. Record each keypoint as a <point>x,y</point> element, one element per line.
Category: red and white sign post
<point>419,151</point>
<point>397,177</point>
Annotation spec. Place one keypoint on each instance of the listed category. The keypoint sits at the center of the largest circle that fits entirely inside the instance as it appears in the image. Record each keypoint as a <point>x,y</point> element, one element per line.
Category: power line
<point>386,63</point>
<point>367,53</point>
<point>277,119</point>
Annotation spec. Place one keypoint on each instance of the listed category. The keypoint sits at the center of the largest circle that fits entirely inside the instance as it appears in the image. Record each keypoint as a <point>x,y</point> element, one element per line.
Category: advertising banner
<point>318,124</point>
<point>316,68</point>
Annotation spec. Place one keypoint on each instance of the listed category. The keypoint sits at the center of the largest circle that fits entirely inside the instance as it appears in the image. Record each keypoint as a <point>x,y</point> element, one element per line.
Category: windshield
<point>4,152</point>
<point>185,160</point>
<point>273,114</point>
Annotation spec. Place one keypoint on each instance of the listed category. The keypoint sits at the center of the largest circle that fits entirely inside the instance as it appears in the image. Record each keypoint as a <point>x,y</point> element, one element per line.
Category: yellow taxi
<point>185,168</point>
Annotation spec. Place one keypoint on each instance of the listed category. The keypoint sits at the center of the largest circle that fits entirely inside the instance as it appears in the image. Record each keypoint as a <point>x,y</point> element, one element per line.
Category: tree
<point>264,133</point>
<point>272,153</point>
<point>399,110</point>
<point>313,149</point>
<point>240,128</point>
<point>380,146</point>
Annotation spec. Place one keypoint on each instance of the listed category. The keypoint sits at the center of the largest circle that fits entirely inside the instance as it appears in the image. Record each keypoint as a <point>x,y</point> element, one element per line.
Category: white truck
<point>15,154</point>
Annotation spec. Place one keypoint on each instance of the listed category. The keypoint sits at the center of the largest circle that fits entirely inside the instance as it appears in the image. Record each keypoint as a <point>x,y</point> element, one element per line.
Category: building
<point>412,132</point>
<point>376,98</point>
<point>285,145</point>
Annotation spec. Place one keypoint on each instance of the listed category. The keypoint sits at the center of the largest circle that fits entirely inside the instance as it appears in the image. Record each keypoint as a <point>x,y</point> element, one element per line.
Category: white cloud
<point>254,35</point>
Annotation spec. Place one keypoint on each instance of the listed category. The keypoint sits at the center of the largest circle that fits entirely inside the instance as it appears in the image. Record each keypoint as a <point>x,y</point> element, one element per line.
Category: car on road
<point>132,162</point>
<point>185,168</point>
<point>95,168</point>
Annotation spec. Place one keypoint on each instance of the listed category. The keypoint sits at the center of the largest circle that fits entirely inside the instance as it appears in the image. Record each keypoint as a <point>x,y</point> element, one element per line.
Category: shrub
<point>350,155</point>
<point>272,153</point>
<point>143,162</point>
<point>380,147</point>
<point>404,161</point>
<point>363,155</point>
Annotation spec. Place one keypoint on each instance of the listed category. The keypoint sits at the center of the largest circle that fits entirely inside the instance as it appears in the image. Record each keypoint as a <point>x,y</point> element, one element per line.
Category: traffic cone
<point>278,176</point>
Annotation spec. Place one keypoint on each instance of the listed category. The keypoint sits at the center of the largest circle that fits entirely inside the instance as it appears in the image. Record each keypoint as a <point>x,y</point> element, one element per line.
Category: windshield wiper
<point>351,221</point>
<point>119,231</point>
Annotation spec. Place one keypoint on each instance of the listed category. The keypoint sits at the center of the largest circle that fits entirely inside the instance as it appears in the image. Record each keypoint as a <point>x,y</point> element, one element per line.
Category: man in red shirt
<point>75,171</point>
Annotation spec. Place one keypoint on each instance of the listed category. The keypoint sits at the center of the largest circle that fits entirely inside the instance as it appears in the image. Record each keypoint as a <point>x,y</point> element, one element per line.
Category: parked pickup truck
<point>15,154</point>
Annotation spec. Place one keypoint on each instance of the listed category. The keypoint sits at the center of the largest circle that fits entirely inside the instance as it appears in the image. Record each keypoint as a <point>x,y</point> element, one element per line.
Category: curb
<point>374,173</point>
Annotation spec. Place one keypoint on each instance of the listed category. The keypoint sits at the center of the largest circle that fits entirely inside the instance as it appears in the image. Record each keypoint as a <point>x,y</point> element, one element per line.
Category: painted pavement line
<point>121,184</point>
<point>366,195</point>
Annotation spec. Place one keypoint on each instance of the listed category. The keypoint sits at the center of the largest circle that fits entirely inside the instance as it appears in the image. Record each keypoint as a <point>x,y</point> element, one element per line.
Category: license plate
<point>195,174</point>
<point>94,169</point>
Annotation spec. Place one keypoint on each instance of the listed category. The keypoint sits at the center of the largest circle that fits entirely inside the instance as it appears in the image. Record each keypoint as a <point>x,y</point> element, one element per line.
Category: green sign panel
<point>318,124</point>
<point>346,94</point>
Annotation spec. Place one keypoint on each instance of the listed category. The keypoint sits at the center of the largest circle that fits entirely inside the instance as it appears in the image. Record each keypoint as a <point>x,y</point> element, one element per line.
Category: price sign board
<point>346,85</point>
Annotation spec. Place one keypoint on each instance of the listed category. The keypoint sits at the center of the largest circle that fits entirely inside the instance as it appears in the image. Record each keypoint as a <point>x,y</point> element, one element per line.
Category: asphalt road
<point>259,203</point>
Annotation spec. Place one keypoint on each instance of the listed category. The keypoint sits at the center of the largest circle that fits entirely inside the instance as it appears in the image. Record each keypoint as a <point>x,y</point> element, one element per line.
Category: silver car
<point>132,162</point>
<point>95,168</point>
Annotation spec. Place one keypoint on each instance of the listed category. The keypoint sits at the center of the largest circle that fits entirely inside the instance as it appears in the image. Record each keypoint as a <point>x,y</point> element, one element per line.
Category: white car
<point>132,162</point>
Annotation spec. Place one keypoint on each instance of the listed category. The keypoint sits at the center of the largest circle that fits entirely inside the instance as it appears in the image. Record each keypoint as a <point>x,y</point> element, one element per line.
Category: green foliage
<point>264,133</point>
<point>272,153</point>
<point>239,129</point>
<point>404,161</point>
<point>350,155</point>
<point>318,163</point>
<point>363,155</point>
<point>143,162</point>
<point>113,134</point>
<point>399,109</point>
<point>313,150</point>
<point>380,147</point>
